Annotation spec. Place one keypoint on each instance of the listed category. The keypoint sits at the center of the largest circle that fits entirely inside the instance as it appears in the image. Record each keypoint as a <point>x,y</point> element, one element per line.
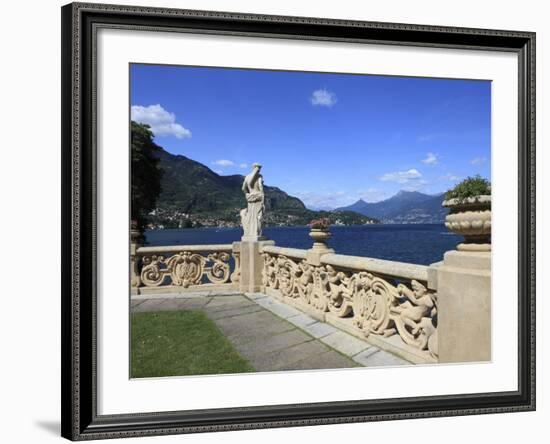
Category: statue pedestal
<point>252,263</point>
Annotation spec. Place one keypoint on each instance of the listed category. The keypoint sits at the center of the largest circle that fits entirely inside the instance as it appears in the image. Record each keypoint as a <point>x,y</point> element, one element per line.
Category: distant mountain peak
<point>403,207</point>
<point>409,193</point>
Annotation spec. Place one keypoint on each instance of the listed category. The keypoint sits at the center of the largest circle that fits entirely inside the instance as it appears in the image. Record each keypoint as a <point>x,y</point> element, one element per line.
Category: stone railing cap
<point>394,269</point>
<point>289,252</point>
<point>179,248</point>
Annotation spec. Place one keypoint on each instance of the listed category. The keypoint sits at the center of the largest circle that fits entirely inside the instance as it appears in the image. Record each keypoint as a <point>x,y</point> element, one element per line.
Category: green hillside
<point>194,195</point>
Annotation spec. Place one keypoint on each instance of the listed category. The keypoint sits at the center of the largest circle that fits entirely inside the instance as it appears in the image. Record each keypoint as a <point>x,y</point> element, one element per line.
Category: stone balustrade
<point>180,267</point>
<point>387,303</point>
<point>424,314</point>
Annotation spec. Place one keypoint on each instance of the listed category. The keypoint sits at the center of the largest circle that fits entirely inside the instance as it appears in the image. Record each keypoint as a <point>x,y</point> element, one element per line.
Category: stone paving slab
<point>135,302</point>
<point>362,358</point>
<point>266,302</point>
<point>345,343</point>
<point>221,301</point>
<point>328,360</point>
<point>257,335</point>
<point>233,311</point>
<point>320,329</point>
<point>212,307</point>
<point>148,305</point>
<point>249,321</point>
<point>196,303</point>
<point>255,295</point>
<point>282,310</point>
<point>255,350</point>
<point>226,293</point>
<point>290,356</point>
<point>301,320</point>
<point>383,358</point>
<point>172,304</point>
<point>252,326</point>
<point>189,294</point>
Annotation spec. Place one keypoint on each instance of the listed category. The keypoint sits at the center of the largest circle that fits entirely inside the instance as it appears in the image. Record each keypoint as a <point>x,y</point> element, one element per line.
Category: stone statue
<point>252,216</point>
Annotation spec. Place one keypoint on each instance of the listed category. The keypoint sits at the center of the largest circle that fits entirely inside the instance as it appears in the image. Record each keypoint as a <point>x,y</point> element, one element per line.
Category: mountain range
<point>194,195</point>
<point>404,208</point>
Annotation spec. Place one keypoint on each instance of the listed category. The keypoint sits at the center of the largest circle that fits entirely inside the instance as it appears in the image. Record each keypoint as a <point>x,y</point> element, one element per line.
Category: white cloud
<point>162,122</point>
<point>478,160</point>
<point>402,176</point>
<point>224,163</point>
<point>431,159</point>
<point>323,97</point>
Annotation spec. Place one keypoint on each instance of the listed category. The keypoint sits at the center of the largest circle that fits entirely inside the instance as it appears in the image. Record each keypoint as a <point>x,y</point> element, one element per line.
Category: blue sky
<point>328,139</point>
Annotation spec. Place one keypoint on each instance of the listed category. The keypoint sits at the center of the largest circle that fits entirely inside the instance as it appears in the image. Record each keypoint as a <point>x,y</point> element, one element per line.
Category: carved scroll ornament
<point>185,269</point>
<point>377,305</point>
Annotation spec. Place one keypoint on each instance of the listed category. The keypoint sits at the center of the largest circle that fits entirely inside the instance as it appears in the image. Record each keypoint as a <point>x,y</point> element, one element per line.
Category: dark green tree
<point>470,187</point>
<point>145,172</point>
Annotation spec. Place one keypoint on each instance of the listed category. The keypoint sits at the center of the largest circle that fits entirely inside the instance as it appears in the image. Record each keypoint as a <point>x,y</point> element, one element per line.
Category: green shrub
<point>470,187</point>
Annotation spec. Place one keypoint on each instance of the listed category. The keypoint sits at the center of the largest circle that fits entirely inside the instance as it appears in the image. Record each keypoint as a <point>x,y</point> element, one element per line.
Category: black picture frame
<point>79,396</point>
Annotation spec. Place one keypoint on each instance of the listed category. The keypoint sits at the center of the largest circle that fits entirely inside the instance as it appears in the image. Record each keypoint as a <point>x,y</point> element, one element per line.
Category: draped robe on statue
<point>252,215</point>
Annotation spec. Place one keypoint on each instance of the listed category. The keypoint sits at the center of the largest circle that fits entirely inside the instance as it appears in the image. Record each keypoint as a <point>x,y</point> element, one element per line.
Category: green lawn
<point>177,343</point>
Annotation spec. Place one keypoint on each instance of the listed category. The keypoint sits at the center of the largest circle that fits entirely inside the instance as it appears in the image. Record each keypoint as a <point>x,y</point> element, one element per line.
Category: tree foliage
<point>145,172</point>
<point>470,187</point>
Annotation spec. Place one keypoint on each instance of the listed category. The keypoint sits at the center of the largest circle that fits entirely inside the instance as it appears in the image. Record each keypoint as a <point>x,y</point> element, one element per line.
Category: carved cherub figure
<point>305,281</point>
<point>418,304</point>
<point>429,331</point>
<point>269,278</point>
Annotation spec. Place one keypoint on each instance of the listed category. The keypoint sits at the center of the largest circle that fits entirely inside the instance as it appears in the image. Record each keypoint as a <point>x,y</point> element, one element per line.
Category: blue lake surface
<point>414,243</point>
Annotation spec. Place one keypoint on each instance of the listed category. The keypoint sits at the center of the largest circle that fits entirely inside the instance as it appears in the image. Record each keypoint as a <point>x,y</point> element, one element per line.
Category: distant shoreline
<point>294,226</point>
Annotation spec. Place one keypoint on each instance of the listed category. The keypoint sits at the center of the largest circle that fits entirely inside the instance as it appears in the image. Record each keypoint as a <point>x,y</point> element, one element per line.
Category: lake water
<point>414,243</point>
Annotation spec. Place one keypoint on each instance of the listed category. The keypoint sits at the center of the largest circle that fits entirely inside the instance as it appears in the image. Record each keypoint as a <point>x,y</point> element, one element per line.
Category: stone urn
<point>470,217</point>
<point>320,238</point>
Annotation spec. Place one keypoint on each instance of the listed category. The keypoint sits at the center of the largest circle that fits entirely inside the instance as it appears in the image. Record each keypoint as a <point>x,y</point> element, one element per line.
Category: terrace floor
<point>271,335</point>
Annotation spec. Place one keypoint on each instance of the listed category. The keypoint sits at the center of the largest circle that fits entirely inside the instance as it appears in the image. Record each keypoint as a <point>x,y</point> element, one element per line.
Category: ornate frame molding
<point>79,407</point>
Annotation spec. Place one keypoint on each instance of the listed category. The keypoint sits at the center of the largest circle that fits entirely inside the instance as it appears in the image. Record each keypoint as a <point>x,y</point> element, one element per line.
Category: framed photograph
<point>281,221</point>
